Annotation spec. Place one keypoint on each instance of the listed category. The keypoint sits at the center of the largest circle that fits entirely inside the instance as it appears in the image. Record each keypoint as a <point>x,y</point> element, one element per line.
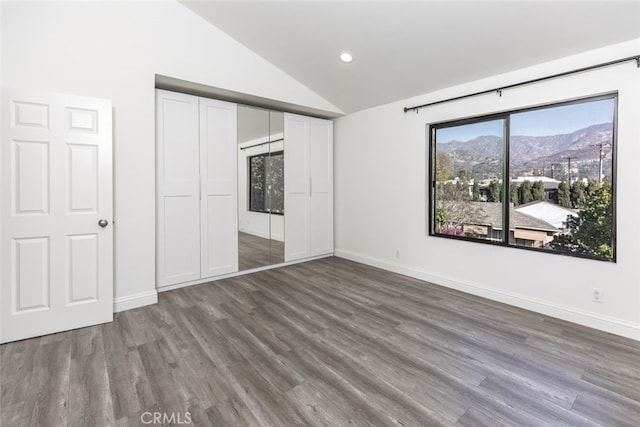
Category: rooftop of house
<point>550,212</point>
<point>493,217</point>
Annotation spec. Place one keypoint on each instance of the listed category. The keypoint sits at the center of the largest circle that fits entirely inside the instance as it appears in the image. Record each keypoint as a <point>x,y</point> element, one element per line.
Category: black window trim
<point>505,115</point>
<point>266,154</point>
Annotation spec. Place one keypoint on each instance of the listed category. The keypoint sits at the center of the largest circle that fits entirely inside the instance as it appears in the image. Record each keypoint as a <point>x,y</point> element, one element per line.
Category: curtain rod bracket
<point>499,92</point>
<point>638,61</point>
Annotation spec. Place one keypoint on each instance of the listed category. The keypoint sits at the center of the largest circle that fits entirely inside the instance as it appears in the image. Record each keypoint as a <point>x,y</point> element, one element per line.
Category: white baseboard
<point>134,301</point>
<point>603,323</point>
<point>237,273</point>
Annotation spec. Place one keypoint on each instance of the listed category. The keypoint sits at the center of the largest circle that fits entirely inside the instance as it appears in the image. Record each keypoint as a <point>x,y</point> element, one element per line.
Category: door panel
<point>296,186</point>
<point>321,201</point>
<point>218,166</point>
<point>180,236</point>
<point>83,267</point>
<point>178,189</point>
<point>30,275</point>
<point>221,258</point>
<point>30,177</point>
<point>83,178</point>
<point>29,114</point>
<point>56,181</point>
<point>83,120</point>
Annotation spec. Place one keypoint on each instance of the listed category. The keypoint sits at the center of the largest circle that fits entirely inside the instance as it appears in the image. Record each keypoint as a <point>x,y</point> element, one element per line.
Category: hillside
<point>536,155</point>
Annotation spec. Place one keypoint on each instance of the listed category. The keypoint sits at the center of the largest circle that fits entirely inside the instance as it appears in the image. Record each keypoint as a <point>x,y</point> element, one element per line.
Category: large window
<point>540,178</point>
<point>266,183</point>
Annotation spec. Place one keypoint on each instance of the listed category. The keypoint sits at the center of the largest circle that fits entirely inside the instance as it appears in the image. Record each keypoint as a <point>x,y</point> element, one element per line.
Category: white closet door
<point>296,187</point>
<point>321,174</point>
<point>56,213</point>
<point>177,134</point>
<point>219,205</point>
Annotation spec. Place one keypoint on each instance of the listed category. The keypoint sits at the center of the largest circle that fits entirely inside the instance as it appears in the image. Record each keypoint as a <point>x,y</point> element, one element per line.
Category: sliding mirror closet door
<point>260,187</point>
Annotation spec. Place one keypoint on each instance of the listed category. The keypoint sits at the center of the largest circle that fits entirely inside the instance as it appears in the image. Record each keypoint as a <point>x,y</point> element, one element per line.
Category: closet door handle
<point>310,187</point>
<point>200,188</point>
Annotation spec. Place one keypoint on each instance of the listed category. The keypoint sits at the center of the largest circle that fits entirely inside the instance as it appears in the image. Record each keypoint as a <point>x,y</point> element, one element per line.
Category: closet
<point>308,183</point>
<point>204,152</point>
<point>196,188</point>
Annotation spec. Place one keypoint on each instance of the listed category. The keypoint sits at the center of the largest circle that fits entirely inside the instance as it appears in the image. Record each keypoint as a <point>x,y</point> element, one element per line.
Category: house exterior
<point>552,213</point>
<point>524,229</point>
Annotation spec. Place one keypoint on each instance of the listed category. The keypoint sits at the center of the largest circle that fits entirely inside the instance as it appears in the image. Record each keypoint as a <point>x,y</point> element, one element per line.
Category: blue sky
<point>546,121</point>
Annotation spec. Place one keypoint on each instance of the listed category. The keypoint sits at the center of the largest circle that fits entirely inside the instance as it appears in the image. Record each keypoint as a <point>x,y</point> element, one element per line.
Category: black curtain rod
<point>499,90</point>
<point>262,143</point>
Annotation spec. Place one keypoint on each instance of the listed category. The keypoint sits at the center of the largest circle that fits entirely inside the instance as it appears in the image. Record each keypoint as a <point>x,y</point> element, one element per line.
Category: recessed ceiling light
<point>346,57</point>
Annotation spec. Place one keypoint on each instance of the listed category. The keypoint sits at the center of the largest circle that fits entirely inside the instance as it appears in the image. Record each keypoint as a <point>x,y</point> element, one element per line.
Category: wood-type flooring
<point>327,342</point>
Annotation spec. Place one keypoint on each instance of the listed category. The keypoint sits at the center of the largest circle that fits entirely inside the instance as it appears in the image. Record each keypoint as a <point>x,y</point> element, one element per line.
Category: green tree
<point>526,192</point>
<point>593,185</point>
<point>465,175</point>
<point>590,231</point>
<point>514,195</point>
<point>578,194</point>
<point>494,191</point>
<point>538,190</point>
<point>564,194</point>
<point>439,219</point>
<point>444,167</point>
<point>475,192</point>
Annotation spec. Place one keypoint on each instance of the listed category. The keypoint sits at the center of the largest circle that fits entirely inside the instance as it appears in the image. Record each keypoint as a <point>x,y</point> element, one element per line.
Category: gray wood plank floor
<point>328,342</point>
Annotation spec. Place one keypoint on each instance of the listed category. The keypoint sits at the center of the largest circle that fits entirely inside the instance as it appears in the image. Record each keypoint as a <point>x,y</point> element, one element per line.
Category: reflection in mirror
<point>275,180</point>
<point>260,187</point>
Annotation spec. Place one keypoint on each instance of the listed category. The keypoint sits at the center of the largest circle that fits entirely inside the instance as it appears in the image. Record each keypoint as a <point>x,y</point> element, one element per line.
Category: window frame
<point>250,181</point>
<point>506,115</point>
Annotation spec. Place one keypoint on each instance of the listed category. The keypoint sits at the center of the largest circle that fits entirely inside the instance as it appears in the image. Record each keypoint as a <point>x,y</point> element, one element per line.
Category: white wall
<point>113,50</point>
<point>380,198</point>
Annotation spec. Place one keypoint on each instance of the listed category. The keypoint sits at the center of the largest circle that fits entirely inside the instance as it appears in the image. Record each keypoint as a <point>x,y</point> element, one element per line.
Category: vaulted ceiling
<point>403,49</point>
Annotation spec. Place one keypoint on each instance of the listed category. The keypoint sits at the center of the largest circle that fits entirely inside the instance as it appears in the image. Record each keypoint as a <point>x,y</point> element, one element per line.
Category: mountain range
<point>535,155</point>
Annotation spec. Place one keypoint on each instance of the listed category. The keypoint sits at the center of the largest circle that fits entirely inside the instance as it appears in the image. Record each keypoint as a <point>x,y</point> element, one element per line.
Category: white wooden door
<point>219,177</point>
<point>321,193</point>
<point>178,199</point>
<point>56,180</point>
<point>296,187</point>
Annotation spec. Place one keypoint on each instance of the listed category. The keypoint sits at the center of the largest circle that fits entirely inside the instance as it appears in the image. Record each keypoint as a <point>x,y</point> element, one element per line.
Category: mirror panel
<point>275,185</point>
<point>260,187</point>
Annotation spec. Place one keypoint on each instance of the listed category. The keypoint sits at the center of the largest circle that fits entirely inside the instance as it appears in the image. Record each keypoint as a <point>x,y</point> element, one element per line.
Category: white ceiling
<point>404,49</point>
